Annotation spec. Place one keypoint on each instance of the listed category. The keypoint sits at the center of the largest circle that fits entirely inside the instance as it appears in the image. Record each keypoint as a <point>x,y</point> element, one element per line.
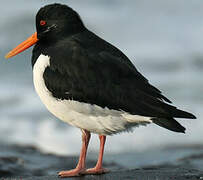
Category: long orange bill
<point>23,46</point>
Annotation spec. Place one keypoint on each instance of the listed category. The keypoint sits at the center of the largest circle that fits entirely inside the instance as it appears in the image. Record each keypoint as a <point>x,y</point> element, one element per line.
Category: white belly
<point>82,115</point>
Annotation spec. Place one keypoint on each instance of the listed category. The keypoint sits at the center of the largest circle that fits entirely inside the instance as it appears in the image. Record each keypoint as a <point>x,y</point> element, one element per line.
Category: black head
<point>56,21</point>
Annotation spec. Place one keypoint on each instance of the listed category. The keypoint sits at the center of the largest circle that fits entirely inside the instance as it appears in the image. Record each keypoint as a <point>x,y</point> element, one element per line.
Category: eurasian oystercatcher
<point>87,82</point>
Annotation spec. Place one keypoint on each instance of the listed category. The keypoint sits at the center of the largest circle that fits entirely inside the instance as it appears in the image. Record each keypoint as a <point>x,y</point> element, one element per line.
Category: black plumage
<point>85,68</point>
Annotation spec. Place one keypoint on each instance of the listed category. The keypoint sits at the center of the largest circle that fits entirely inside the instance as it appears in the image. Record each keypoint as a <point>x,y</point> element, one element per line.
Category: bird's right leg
<point>80,168</point>
<point>98,169</point>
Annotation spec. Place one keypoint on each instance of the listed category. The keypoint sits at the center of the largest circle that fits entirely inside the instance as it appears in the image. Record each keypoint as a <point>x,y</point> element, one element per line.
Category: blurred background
<point>164,39</point>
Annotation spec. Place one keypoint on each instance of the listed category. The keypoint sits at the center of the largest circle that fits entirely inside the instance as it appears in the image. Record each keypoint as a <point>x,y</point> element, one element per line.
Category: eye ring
<point>43,22</point>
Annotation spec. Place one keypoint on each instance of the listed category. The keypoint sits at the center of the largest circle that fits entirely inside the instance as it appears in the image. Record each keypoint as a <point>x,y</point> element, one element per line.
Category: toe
<point>71,173</point>
<point>96,171</point>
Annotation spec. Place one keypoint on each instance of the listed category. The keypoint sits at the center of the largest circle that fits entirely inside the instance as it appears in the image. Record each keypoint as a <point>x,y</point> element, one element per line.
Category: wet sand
<point>28,163</point>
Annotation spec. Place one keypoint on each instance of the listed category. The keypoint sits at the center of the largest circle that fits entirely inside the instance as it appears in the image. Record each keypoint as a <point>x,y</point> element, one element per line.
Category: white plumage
<point>82,115</point>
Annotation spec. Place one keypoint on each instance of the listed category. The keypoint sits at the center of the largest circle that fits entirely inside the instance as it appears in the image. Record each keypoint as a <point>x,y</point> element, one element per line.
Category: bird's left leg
<point>80,168</point>
<point>98,169</point>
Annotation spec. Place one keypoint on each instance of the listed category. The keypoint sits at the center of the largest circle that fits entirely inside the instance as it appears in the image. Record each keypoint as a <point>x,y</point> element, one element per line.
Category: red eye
<point>42,22</point>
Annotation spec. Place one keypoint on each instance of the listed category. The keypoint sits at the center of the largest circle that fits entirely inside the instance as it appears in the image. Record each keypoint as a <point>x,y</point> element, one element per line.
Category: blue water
<point>164,39</point>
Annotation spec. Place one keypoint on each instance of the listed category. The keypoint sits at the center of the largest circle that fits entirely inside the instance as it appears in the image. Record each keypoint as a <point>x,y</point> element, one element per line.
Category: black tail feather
<point>177,113</point>
<point>182,114</point>
<point>170,124</point>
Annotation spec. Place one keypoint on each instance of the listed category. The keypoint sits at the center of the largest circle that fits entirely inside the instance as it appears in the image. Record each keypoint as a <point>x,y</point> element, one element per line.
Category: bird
<point>88,83</point>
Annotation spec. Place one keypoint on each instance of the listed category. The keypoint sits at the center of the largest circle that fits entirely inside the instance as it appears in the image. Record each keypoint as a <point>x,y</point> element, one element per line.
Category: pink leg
<point>98,168</point>
<point>81,163</point>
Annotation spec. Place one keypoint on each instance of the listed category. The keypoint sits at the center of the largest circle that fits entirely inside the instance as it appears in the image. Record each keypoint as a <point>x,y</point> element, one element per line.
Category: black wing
<point>91,70</point>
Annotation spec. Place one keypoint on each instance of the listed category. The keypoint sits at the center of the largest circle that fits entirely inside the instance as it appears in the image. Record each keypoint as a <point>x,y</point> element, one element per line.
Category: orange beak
<point>23,46</point>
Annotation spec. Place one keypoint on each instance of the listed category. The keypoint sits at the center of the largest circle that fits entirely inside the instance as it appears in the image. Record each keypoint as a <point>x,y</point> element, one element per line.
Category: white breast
<point>82,115</point>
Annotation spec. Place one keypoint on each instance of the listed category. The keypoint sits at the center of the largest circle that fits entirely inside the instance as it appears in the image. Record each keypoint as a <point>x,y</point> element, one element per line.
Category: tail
<point>170,123</point>
<point>177,113</point>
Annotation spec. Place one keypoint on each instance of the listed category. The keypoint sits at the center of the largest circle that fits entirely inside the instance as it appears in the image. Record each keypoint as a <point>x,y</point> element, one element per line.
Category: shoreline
<point>28,163</point>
